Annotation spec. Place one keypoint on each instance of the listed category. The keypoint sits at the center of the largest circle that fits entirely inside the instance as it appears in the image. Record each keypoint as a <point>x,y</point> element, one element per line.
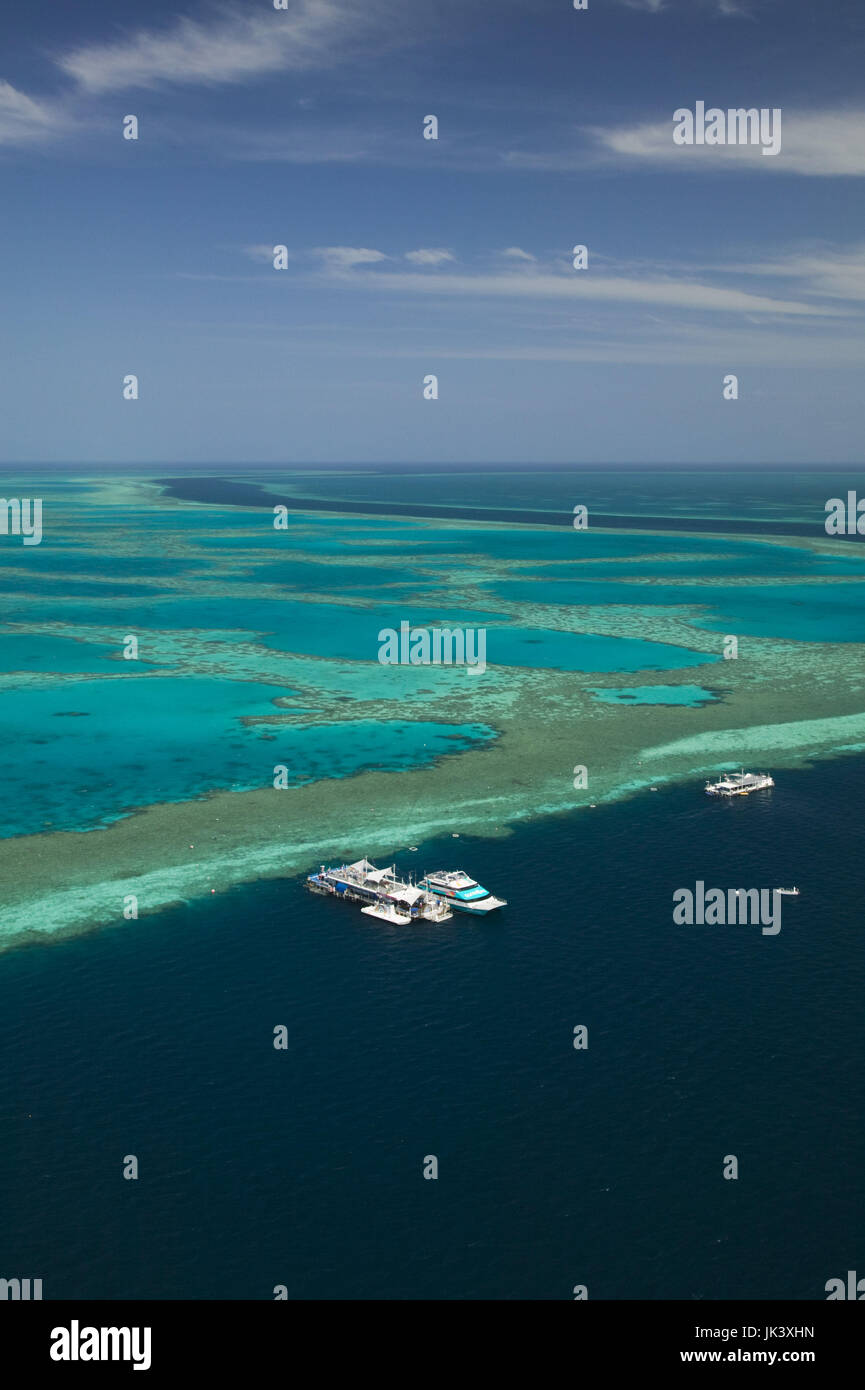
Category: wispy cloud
<point>227,43</point>
<point>429,256</point>
<point>240,42</point>
<point>674,293</point>
<point>819,143</point>
<point>822,274</point>
<point>830,274</point>
<point>345,257</point>
<point>22,119</point>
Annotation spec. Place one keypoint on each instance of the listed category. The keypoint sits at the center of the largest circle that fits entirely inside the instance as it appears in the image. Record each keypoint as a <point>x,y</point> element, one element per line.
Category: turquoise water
<point>61,578</point>
<point>577,651</point>
<point>308,577</point>
<point>760,561</point>
<point>330,630</point>
<point>513,543</point>
<point>192,726</point>
<point>799,612</point>
<point>45,652</point>
<point>88,752</point>
<point>82,558</point>
<point>693,696</point>
<point>63,587</point>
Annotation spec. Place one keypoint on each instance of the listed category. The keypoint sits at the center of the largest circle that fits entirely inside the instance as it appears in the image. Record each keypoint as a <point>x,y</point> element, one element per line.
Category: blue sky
<point>408,256</point>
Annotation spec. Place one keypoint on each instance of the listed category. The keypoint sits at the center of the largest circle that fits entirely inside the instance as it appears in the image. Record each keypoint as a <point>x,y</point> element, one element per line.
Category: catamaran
<point>739,783</point>
<point>461,892</point>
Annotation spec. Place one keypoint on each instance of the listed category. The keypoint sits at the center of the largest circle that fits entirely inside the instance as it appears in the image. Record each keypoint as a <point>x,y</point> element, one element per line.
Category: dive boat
<point>739,783</point>
<point>461,892</point>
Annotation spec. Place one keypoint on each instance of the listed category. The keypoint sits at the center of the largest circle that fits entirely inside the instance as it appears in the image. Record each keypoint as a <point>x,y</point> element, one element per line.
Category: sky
<point>406,257</point>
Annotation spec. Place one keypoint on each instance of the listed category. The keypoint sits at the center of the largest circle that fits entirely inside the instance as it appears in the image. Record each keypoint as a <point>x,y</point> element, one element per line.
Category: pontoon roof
<point>406,894</point>
<point>377,875</point>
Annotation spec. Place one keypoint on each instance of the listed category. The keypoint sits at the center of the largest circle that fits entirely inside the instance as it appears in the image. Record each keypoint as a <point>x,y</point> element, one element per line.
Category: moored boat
<point>739,783</point>
<point>461,892</point>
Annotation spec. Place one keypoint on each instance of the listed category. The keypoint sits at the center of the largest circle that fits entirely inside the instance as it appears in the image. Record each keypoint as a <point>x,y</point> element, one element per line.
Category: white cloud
<point>426,256</point>
<point>344,257</point>
<point>820,143</point>
<point>237,45</point>
<point>23,119</point>
<point>833,274</point>
<point>679,294</point>
<point>516,253</point>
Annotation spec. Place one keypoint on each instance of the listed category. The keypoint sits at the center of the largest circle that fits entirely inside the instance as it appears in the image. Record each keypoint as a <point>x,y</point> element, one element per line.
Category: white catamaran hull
<point>481,910</point>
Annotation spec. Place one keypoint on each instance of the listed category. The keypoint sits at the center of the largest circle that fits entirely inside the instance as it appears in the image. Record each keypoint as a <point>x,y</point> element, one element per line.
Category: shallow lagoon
<point>89,751</point>
<point>540,649</point>
<point>46,652</point>
<point>352,633</point>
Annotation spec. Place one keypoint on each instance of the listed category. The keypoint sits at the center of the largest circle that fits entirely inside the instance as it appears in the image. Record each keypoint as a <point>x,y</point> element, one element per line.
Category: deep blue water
<point>557,1167</point>
<point>770,494</point>
<point>711,499</point>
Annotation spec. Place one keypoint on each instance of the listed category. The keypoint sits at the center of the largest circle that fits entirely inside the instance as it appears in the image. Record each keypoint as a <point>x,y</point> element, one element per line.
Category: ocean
<point>303,1166</point>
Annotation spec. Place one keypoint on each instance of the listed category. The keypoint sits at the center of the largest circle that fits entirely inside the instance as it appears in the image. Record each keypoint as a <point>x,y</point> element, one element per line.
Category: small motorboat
<point>788,892</point>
